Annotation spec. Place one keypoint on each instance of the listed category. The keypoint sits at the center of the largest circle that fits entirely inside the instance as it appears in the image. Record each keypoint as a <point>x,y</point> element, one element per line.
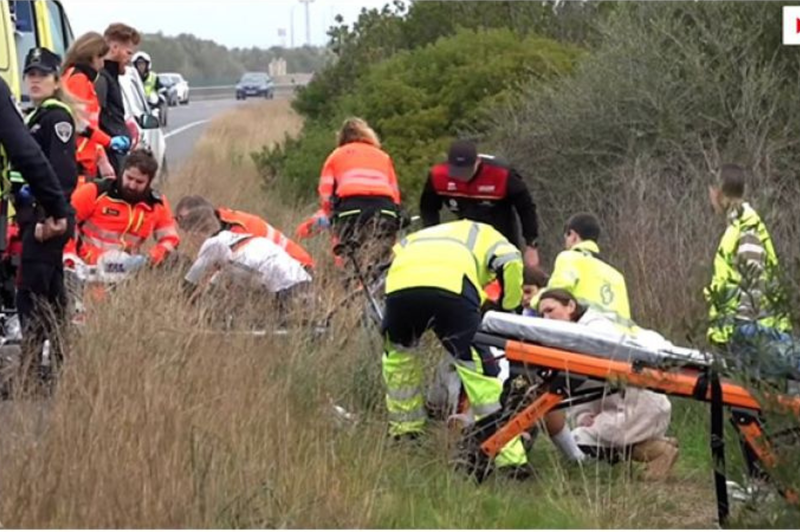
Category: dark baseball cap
<point>461,159</point>
<point>43,60</point>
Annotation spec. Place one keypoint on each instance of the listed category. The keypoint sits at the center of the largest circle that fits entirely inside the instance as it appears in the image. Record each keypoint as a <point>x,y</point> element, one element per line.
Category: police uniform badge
<point>64,131</point>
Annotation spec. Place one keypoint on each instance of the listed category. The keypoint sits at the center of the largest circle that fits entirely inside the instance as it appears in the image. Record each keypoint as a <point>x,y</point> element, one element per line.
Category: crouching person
<point>245,265</point>
<point>435,282</point>
<point>632,422</point>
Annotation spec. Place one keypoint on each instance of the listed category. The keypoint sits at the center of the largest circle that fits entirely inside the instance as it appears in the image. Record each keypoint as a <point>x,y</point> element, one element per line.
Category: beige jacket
<point>620,419</point>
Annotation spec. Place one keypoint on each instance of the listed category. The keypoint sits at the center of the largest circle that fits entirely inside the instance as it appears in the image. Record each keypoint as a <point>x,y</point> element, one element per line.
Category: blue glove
<point>24,196</point>
<point>322,222</point>
<point>135,262</point>
<point>120,144</point>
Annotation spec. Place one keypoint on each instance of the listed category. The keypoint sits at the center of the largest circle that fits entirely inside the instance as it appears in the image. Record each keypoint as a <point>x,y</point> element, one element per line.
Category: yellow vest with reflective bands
<point>593,282</point>
<point>443,255</point>
<point>150,84</point>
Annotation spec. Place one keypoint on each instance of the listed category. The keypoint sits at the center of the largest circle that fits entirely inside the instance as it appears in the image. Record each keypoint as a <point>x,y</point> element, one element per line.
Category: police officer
<point>484,189</point>
<point>150,81</point>
<point>592,281</point>
<point>41,296</point>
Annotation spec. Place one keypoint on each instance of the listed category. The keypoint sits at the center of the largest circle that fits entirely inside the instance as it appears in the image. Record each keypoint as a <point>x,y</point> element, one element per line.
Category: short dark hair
<point>143,161</point>
<point>193,202</point>
<point>586,225</point>
<point>122,33</point>
<point>200,220</point>
<point>532,275</point>
<point>731,180</point>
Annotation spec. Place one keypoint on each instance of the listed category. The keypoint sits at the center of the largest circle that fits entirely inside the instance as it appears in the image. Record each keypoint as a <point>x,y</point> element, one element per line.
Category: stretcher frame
<point>558,373</point>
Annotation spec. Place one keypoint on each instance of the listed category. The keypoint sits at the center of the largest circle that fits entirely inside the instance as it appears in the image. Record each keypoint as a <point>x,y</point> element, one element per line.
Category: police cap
<point>43,60</point>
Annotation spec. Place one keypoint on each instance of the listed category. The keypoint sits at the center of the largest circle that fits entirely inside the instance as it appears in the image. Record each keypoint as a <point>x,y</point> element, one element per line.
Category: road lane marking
<point>187,126</point>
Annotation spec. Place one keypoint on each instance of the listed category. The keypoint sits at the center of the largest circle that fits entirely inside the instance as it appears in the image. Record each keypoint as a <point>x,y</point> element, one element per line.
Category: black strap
<point>718,446</point>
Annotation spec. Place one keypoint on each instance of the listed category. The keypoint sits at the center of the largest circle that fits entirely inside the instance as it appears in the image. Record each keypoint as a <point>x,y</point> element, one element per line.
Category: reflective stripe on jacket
<point>745,284</point>
<point>106,222</point>
<point>149,83</point>
<point>357,169</point>
<point>245,223</point>
<point>443,255</point>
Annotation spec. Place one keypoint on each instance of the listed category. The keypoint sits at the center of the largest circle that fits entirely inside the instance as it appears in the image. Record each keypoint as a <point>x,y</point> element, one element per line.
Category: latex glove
<point>50,228</point>
<point>25,196</point>
<point>120,144</point>
<point>310,226</point>
<point>135,262</point>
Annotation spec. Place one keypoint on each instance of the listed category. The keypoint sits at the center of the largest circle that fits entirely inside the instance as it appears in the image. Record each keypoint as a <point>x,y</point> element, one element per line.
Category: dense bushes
<point>637,133</point>
<point>418,100</point>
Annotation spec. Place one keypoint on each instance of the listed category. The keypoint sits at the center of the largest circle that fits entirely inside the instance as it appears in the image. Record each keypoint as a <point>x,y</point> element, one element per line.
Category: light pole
<point>291,30</point>
<point>307,4</point>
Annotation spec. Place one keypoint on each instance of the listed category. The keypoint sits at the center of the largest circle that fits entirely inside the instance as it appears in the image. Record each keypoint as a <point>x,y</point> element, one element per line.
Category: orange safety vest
<point>106,222</point>
<point>245,223</point>
<point>357,169</point>
<point>79,84</point>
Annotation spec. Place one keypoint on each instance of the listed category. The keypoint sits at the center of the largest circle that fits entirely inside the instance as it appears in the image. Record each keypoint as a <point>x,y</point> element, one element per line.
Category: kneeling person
<point>435,282</point>
<point>243,260</point>
<point>121,215</point>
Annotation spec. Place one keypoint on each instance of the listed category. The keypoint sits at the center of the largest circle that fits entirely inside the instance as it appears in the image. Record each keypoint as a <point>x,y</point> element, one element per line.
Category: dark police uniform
<point>40,290</point>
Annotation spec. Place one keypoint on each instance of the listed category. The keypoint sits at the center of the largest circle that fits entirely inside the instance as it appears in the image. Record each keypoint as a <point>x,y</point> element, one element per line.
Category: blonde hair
<point>357,130</point>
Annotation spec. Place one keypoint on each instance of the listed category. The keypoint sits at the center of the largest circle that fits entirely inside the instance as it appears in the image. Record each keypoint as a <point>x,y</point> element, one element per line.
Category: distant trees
<point>204,62</point>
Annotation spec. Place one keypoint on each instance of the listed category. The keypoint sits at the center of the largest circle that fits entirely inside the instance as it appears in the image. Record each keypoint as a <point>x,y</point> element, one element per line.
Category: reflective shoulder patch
<point>64,131</point>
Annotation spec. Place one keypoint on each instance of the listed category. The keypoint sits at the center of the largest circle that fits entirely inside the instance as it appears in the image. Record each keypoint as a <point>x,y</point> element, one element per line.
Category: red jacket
<point>105,222</point>
<point>79,83</point>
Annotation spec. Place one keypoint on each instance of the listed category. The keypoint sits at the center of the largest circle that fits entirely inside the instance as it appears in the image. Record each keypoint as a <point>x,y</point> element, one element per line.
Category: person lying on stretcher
<point>628,424</point>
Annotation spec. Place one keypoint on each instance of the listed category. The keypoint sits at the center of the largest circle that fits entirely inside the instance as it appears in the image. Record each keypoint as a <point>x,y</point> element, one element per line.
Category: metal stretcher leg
<point>522,422</point>
<point>759,450</point>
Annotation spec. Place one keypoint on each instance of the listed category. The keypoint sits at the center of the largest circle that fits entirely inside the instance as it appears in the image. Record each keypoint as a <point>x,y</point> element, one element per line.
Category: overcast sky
<point>242,23</point>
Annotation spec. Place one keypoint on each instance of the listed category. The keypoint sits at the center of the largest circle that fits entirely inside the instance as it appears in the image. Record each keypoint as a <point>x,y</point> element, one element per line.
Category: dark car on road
<point>255,85</point>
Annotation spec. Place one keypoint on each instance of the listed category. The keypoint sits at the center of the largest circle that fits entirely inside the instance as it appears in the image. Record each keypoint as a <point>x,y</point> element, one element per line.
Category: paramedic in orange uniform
<point>123,214</point>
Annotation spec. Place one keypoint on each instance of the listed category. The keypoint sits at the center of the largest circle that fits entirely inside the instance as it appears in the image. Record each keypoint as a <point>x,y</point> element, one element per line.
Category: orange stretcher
<point>543,378</point>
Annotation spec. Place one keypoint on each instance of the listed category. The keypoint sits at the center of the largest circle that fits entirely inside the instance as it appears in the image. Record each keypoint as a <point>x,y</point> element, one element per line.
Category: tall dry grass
<point>162,419</point>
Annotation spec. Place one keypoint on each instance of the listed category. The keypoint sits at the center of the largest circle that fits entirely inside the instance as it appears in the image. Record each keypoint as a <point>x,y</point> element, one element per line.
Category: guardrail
<point>221,92</point>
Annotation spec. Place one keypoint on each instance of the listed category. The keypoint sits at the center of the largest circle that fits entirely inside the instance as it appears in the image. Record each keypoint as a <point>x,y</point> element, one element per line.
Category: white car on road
<point>180,84</point>
<point>141,118</point>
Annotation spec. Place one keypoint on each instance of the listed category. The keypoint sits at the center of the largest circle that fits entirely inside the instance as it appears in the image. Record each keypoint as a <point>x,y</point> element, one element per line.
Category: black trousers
<point>116,159</point>
<point>455,319</point>
<point>41,294</point>
<point>373,222</point>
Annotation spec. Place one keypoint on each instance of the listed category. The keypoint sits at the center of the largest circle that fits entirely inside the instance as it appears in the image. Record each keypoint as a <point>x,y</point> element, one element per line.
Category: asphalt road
<point>185,125</point>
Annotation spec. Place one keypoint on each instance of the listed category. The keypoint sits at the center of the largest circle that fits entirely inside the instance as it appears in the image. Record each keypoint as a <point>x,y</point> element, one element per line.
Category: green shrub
<point>419,100</point>
<point>636,134</point>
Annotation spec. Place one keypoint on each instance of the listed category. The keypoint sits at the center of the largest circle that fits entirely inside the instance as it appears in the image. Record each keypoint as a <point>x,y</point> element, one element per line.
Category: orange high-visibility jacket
<point>79,83</point>
<point>104,222</point>
<point>357,169</point>
<point>245,223</point>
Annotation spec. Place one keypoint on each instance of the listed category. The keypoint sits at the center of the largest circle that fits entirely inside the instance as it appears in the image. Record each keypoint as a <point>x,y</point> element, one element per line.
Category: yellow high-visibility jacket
<point>443,255</point>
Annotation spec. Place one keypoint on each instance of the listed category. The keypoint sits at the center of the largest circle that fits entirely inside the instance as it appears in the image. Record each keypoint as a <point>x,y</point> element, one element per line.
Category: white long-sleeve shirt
<point>245,259</point>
